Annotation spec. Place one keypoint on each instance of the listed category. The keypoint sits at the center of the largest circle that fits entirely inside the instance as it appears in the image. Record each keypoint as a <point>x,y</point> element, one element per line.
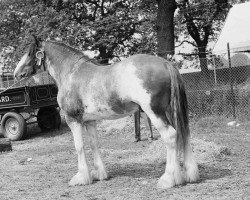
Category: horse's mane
<point>67,47</point>
<point>32,50</point>
<point>75,52</point>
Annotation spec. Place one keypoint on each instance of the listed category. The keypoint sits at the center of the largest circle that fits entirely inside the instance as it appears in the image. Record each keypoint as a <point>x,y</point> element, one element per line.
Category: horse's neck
<point>60,63</point>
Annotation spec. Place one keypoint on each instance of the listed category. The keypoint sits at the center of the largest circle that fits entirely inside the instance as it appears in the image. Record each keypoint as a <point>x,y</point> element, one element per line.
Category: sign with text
<point>11,98</point>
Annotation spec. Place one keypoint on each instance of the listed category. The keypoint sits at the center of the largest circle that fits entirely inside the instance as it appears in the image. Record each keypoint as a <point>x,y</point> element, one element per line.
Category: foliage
<point>199,22</point>
<point>112,28</point>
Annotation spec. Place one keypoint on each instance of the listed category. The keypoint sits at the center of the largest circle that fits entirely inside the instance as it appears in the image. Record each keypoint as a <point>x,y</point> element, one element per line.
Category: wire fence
<point>222,89</point>
<point>213,87</point>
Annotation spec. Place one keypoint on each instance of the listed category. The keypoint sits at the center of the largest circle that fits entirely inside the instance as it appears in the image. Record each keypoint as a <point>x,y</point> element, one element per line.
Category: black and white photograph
<point>124,100</point>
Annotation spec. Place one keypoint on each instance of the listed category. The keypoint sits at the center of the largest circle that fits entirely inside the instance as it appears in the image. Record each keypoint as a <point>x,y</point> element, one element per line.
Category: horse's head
<point>32,61</point>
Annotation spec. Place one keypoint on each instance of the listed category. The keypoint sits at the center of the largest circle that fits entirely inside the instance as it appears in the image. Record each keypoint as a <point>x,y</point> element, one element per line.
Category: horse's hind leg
<point>191,167</point>
<point>173,175</point>
<point>83,176</point>
<point>99,173</point>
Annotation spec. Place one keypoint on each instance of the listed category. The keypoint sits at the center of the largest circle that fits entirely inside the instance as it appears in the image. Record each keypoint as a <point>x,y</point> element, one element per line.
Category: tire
<point>13,126</point>
<point>48,118</point>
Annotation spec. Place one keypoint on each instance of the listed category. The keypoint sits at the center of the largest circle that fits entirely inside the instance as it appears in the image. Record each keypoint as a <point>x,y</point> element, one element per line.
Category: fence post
<point>231,80</point>
<point>215,76</point>
<point>8,81</point>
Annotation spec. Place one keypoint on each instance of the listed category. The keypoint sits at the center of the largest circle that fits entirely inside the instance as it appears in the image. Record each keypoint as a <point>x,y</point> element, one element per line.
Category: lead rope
<point>15,83</point>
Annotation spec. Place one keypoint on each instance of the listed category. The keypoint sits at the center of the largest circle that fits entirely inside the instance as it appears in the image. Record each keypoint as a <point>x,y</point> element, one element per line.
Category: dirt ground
<point>40,167</point>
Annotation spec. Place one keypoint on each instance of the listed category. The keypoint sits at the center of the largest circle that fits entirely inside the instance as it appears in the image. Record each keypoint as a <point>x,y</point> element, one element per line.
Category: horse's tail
<point>178,107</point>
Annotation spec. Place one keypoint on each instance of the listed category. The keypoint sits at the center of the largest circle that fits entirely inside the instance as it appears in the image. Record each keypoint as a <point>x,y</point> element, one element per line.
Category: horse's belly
<point>101,116</point>
<point>113,111</point>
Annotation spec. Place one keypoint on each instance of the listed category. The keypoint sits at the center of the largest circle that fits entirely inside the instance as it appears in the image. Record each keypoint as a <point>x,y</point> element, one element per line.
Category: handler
<point>147,121</point>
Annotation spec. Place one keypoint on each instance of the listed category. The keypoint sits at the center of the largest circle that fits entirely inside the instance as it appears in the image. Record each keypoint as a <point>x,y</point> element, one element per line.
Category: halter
<point>40,60</point>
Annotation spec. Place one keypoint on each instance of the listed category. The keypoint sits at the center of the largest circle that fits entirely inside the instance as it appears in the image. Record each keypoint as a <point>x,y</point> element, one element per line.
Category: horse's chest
<point>70,103</point>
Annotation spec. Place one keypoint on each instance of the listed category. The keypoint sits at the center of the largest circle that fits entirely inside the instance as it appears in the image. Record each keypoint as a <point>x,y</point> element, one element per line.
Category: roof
<point>236,30</point>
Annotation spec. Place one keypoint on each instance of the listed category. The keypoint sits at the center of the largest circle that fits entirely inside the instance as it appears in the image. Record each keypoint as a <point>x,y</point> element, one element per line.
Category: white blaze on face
<point>21,64</point>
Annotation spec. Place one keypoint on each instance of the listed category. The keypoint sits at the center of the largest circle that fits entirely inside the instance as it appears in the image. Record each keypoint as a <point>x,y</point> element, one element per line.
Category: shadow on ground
<point>155,170</point>
<point>35,132</point>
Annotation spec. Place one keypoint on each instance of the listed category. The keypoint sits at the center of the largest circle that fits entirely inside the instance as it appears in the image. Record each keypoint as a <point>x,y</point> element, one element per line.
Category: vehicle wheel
<point>13,126</point>
<point>48,118</point>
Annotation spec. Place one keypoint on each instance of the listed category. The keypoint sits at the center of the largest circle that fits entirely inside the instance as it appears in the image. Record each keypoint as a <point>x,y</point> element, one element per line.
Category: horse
<point>88,92</point>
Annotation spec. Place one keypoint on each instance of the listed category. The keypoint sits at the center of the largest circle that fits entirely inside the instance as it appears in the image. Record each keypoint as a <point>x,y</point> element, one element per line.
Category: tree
<point>97,25</point>
<point>202,20</point>
<point>11,21</point>
<point>115,28</point>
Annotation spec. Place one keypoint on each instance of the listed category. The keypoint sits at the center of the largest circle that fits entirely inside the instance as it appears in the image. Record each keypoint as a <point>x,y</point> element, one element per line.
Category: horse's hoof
<point>137,139</point>
<point>99,175</point>
<point>168,180</point>
<point>81,179</point>
<point>192,174</point>
<point>165,182</point>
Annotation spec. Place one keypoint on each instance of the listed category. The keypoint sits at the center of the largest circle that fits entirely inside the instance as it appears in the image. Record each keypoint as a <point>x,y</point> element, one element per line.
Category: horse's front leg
<point>83,176</point>
<point>99,173</point>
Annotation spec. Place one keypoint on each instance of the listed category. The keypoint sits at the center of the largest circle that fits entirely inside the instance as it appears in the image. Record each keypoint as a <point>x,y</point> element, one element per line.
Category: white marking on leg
<point>83,176</point>
<point>100,172</point>
<point>173,169</point>
<point>191,167</point>
<point>172,175</point>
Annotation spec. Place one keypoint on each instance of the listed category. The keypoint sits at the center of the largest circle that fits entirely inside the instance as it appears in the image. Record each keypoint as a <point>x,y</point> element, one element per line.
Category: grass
<point>40,167</point>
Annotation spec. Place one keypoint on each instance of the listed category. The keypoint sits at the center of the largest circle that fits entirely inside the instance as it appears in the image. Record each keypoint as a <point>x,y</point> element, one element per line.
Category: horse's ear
<point>35,40</point>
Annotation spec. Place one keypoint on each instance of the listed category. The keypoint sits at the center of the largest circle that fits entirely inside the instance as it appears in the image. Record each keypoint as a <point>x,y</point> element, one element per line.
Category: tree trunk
<point>165,27</point>
<point>165,39</point>
<point>203,61</point>
<point>104,55</point>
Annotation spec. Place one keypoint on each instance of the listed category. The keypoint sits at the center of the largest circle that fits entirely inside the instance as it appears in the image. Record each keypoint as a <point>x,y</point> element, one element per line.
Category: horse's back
<point>142,77</point>
<point>144,61</point>
<point>148,68</point>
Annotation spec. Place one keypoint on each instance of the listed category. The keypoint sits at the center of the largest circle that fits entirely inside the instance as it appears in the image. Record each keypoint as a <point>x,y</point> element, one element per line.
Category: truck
<point>31,100</point>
